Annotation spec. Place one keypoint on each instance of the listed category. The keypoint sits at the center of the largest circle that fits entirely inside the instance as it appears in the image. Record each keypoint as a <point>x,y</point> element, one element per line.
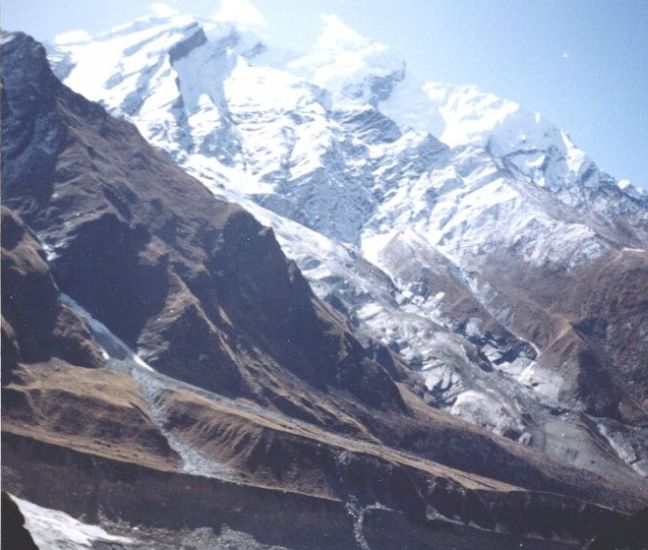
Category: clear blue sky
<point>581,63</point>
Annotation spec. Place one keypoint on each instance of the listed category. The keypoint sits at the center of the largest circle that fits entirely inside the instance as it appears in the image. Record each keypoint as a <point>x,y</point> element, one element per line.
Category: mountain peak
<point>336,35</point>
<point>130,69</point>
<point>346,63</point>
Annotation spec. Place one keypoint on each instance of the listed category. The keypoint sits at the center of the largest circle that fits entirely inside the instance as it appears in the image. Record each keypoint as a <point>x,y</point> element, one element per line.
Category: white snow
<point>622,446</point>
<point>486,410</point>
<point>372,245</point>
<point>342,60</point>
<point>410,107</point>
<point>111,345</point>
<point>72,37</point>
<point>546,384</point>
<point>55,530</point>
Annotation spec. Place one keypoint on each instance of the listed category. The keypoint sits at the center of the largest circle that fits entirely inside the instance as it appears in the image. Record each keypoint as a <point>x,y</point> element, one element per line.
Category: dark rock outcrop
<point>15,536</point>
<point>629,534</point>
<point>36,326</point>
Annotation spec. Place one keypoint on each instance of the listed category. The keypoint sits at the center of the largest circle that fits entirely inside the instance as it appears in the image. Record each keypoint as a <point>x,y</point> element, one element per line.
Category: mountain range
<point>258,297</point>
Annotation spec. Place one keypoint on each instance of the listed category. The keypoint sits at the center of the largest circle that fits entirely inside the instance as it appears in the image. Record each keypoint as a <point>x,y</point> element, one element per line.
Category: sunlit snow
<point>55,530</point>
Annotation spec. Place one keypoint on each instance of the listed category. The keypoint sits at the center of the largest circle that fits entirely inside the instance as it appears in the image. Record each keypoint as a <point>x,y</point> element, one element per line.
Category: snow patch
<point>72,37</point>
<point>111,346</point>
<point>55,530</point>
<point>547,384</point>
<point>486,410</point>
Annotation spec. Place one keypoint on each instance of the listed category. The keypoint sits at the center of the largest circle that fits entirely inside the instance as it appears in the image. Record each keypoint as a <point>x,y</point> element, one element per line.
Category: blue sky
<point>581,63</point>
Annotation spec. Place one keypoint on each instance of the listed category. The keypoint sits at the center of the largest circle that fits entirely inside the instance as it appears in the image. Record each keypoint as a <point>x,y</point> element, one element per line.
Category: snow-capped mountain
<point>170,378</point>
<point>470,235</point>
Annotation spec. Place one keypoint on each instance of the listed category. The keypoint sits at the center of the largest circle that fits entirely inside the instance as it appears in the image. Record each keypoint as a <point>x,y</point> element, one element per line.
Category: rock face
<point>470,236</point>
<point>53,383</point>
<point>36,326</point>
<point>195,381</point>
<point>630,533</point>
